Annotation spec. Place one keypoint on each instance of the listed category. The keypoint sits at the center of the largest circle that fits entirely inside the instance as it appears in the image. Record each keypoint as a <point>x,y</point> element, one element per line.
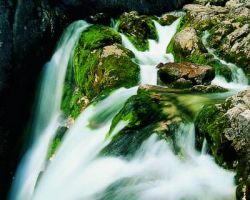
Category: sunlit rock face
<point>226,127</point>
<point>142,6</point>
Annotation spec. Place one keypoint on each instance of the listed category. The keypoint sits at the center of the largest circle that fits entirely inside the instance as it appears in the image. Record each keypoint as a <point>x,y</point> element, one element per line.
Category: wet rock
<point>228,27</point>
<point>167,19</point>
<point>208,89</point>
<point>138,28</point>
<point>183,75</point>
<point>101,65</point>
<point>226,127</point>
<point>186,45</point>
<point>187,42</point>
<point>148,112</point>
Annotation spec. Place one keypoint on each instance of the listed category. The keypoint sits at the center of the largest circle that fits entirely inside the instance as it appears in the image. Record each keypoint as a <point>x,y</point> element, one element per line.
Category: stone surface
<point>138,28</point>
<point>228,27</point>
<point>185,74</point>
<point>101,65</point>
<point>161,115</point>
<point>226,128</point>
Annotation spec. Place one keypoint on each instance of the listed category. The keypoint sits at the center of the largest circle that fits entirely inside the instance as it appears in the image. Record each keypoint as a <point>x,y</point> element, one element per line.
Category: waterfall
<point>154,172</point>
<point>149,59</point>
<point>48,114</point>
<point>77,170</point>
<point>239,79</point>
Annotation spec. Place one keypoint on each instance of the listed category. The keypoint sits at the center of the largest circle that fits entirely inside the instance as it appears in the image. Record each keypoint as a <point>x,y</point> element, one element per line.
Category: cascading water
<point>239,79</point>
<point>78,171</point>
<point>48,113</point>
<point>148,60</point>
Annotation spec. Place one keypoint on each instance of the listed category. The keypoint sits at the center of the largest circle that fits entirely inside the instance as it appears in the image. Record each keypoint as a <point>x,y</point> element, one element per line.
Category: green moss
<point>56,142</point>
<point>221,69</point>
<point>142,121</point>
<point>210,123</point>
<point>98,36</point>
<point>100,65</point>
<point>198,58</point>
<point>138,28</point>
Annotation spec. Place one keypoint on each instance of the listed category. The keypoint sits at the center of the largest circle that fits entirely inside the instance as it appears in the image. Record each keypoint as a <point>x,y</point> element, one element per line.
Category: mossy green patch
<point>100,64</point>
<point>138,28</point>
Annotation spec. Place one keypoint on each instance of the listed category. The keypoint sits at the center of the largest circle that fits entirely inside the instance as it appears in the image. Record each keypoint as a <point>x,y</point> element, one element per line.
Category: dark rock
<point>28,33</point>
<point>226,128</point>
<point>138,28</point>
<point>185,74</point>
<point>167,19</point>
<point>161,115</point>
<point>142,6</point>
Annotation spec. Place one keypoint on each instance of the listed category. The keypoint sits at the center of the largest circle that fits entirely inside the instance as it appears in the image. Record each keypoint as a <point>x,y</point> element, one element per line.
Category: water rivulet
<point>116,149</point>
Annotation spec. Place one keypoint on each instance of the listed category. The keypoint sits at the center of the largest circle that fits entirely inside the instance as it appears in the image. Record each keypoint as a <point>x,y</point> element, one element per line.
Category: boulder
<point>150,111</point>
<point>101,65</point>
<point>226,127</point>
<point>228,27</point>
<point>186,45</point>
<point>138,28</point>
<point>167,19</point>
<point>182,75</point>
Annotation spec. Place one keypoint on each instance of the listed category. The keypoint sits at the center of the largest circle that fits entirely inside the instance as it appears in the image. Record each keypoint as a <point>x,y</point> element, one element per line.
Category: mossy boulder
<point>186,45</point>
<point>138,28</point>
<point>150,111</point>
<point>100,65</point>
<point>167,19</point>
<point>226,127</point>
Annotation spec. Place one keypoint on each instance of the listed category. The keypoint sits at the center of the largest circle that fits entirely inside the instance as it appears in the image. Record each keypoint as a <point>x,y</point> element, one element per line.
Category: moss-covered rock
<point>100,65</point>
<point>186,45</point>
<point>138,28</point>
<point>150,111</point>
<point>167,19</point>
<point>226,128</point>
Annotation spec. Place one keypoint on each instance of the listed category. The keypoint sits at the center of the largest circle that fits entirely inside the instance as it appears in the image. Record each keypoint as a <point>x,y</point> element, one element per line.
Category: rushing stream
<point>77,171</point>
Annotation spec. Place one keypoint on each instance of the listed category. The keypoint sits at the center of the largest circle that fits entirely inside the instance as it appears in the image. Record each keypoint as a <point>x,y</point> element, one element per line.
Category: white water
<point>48,112</point>
<point>239,79</point>
<point>148,60</point>
<point>154,172</point>
<point>76,171</point>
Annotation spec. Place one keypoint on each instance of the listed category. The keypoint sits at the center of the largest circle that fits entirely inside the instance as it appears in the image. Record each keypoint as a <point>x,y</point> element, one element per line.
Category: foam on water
<point>149,59</point>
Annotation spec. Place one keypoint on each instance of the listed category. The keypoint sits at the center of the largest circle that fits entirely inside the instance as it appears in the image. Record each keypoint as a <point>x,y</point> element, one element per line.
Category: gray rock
<point>226,127</point>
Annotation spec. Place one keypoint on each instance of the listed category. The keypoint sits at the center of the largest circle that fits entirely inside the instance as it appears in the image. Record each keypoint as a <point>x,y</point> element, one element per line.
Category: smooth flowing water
<point>78,171</point>
<point>48,114</point>
<point>149,59</point>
